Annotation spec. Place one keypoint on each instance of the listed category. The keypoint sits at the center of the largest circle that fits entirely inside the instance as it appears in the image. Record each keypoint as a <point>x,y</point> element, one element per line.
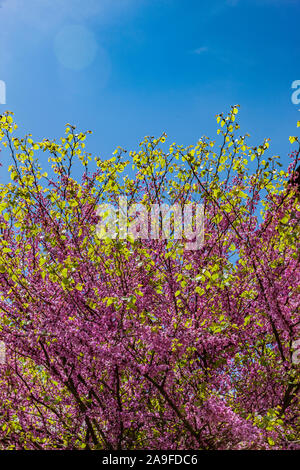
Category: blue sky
<point>130,68</point>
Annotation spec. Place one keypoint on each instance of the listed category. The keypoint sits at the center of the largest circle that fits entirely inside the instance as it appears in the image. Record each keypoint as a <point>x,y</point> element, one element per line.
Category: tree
<point>143,344</point>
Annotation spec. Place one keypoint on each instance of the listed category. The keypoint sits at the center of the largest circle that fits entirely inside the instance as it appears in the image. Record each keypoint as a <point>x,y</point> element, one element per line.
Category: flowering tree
<point>141,343</point>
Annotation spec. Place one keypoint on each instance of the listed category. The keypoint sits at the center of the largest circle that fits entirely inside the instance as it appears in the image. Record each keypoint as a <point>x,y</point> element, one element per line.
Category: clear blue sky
<point>130,68</point>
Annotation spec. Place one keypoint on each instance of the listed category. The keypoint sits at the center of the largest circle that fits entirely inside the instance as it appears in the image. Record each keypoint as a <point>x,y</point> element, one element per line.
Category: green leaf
<point>284,220</point>
<point>199,290</point>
